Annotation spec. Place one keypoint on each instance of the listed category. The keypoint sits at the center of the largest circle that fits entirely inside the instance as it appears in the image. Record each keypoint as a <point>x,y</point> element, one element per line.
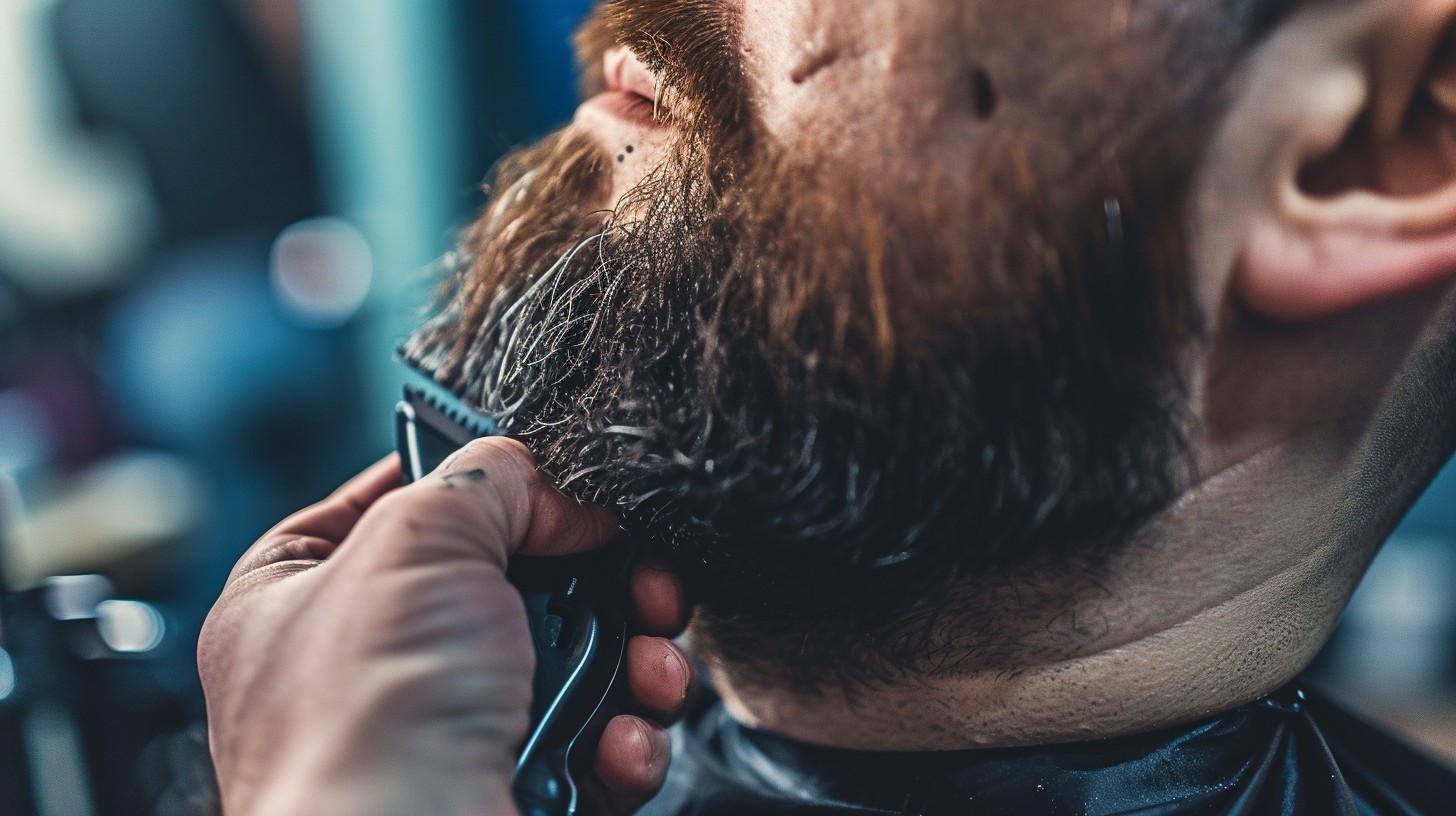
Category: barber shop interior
<point>727,407</point>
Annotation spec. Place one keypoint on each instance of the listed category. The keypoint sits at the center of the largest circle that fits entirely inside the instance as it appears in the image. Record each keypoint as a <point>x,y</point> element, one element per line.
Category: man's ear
<point>1359,198</point>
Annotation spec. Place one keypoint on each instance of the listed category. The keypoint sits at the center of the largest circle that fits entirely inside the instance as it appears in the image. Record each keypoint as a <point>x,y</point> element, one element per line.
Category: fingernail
<point>684,673</point>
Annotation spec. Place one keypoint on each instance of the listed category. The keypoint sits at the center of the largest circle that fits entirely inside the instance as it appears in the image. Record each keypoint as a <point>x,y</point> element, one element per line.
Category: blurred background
<point>217,221</point>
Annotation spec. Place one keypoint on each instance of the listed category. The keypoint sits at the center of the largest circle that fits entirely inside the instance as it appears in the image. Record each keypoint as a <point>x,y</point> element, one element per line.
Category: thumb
<point>500,474</point>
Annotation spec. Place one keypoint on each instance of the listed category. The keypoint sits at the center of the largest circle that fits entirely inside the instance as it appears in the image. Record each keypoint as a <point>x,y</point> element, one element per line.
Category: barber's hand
<point>369,657</point>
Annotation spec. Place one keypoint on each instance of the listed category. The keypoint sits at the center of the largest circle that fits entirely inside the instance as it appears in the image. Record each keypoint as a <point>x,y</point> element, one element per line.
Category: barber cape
<point>1293,752</point>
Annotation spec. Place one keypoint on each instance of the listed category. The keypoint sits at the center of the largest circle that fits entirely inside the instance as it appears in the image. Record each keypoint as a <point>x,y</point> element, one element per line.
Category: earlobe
<point>1317,272</point>
<point>1374,216</point>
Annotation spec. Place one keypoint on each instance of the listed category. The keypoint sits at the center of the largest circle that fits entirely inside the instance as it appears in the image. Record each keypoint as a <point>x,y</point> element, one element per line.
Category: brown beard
<point>836,398</point>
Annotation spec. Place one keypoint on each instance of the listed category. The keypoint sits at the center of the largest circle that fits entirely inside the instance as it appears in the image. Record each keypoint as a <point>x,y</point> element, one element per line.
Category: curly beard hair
<point>852,405</point>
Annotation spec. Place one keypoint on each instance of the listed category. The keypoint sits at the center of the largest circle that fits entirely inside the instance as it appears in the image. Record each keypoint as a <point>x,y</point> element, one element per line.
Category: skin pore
<point>1319,244</point>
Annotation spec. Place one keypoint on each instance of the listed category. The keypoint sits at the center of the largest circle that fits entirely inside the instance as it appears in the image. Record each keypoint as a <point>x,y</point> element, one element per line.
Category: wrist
<point>393,795</point>
<point>326,783</point>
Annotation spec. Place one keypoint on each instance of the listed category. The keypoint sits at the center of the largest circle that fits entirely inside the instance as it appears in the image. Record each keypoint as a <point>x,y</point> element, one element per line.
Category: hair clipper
<point>575,606</point>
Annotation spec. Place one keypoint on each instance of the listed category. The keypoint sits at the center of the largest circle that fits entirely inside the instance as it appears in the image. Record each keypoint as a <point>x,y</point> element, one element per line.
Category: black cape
<point>1294,752</point>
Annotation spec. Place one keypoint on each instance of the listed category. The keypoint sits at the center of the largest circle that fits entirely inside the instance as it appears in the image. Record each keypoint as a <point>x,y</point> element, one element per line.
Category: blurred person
<point>1019,391</point>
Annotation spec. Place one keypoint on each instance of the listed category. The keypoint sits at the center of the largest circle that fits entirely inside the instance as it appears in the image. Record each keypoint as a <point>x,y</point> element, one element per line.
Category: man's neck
<point>1193,626</point>
<point>1227,596</point>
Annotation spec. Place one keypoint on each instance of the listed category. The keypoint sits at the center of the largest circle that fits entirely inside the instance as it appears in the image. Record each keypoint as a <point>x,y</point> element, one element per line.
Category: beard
<point>843,401</point>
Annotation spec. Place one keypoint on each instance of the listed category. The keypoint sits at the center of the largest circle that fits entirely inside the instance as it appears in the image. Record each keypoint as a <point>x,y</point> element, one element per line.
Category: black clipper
<point>575,605</point>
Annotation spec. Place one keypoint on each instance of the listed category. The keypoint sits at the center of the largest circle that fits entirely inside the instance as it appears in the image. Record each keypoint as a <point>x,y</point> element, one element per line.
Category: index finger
<point>316,531</point>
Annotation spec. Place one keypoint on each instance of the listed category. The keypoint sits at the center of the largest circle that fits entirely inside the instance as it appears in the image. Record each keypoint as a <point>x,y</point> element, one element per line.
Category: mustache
<point>693,47</point>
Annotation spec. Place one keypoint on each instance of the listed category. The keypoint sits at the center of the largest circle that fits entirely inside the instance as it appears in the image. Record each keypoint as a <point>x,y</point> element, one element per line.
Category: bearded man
<point>1019,392</point>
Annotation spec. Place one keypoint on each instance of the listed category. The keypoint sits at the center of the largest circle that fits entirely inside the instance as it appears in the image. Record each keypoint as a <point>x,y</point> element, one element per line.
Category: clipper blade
<point>432,422</point>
